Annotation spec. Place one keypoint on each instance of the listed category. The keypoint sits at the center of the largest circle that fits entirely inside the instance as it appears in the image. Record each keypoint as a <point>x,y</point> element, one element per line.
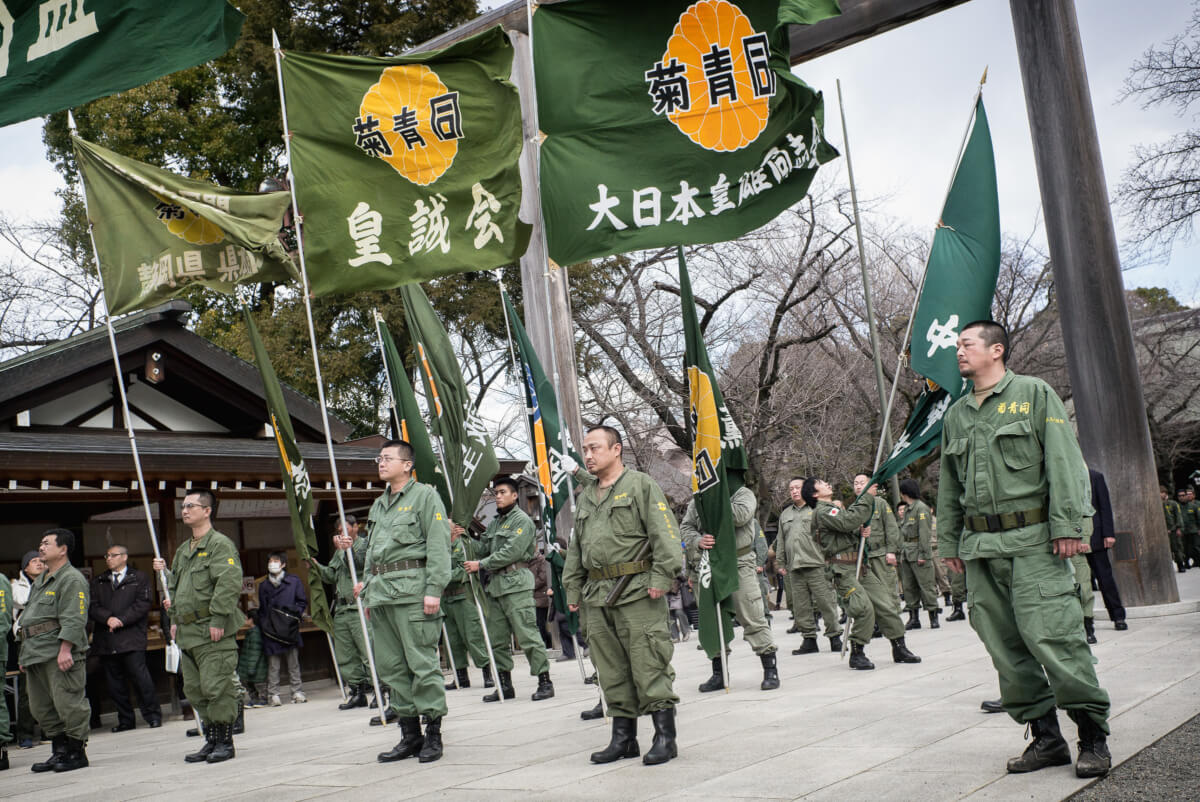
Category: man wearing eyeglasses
<point>407,568</point>
<point>119,613</point>
<point>205,583</point>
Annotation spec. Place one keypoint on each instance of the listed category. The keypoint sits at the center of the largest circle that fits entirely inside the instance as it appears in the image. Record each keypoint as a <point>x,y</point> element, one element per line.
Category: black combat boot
<point>835,644</point>
<point>58,747</point>
<point>901,654</point>
<point>74,757</point>
<point>3,757</point>
<point>623,744</point>
<point>717,681</point>
<point>933,620</point>
<point>488,682</point>
<point>807,646</point>
<point>1048,747</point>
<point>794,628</point>
<point>431,750</point>
<point>914,619</point>
<point>410,744</point>
<point>506,687</point>
<point>545,688</point>
<point>1094,758</point>
<point>1089,629</point>
<point>663,748</point>
<point>207,749</point>
<point>858,658</point>
<point>358,697</point>
<point>946,597</point>
<point>222,744</point>
<point>239,723</point>
<point>958,614</point>
<point>593,714</point>
<point>770,673</point>
<point>992,706</point>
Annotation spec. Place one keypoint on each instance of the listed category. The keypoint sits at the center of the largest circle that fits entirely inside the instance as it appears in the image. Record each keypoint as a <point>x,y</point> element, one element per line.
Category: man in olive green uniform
<point>463,630</point>
<point>747,599</point>
<point>916,559</point>
<point>621,562</point>
<point>1087,596</point>
<point>878,579</point>
<point>1013,502</point>
<point>1173,519</point>
<point>205,584</point>
<point>349,645</point>
<point>958,581</point>
<point>407,568</point>
<point>762,552</point>
<point>802,564</point>
<point>505,550</point>
<point>1190,513</point>
<point>54,646</point>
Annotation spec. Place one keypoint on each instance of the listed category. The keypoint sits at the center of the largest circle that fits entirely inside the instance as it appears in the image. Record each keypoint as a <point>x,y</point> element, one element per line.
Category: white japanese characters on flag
<point>475,446</point>
<point>942,335</point>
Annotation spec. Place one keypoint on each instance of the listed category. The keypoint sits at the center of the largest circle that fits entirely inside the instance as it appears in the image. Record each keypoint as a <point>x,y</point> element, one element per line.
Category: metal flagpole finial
<point>983,80</point>
<point>275,42</point>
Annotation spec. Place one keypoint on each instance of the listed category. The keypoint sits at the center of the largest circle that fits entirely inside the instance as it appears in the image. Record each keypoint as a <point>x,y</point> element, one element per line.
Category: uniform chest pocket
<point>402,528</point>
<point>623,517</point>
<point>1018,446</point>
<point>956,452</point>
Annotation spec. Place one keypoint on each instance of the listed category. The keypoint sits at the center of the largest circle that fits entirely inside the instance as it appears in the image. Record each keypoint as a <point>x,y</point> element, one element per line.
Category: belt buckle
<point>993,523</point>
<point>1020,516</point>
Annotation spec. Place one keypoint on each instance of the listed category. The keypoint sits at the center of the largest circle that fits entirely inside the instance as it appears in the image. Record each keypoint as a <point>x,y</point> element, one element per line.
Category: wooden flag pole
<point>312,338</point>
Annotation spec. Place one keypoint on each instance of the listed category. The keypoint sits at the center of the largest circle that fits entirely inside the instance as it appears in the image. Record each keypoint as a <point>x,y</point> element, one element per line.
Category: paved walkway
<point>899,732</point>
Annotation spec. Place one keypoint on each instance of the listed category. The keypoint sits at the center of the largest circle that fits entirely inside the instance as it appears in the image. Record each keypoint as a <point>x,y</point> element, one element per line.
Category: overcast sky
<point>908,93</point>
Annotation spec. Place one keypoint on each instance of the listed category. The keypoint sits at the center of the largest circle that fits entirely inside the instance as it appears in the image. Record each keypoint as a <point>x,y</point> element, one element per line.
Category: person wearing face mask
<point>281,602</point>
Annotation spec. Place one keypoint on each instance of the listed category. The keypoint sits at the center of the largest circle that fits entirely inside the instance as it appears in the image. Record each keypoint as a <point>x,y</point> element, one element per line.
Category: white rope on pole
<point>312,337</point>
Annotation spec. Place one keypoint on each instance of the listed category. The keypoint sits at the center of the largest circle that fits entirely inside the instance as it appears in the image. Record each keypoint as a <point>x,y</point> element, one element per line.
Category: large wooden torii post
<point>1109,406</point>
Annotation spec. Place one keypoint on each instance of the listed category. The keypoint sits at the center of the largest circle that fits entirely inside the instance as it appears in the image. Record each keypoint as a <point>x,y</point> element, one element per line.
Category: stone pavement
<point>899,732</point>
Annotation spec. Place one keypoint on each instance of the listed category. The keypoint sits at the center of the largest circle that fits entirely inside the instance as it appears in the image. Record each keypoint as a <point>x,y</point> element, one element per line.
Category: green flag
<point>408,418</point>
<point>58,55</point>
<point>716,448</point>
<point>960,281</point>
<point>960,278</point>
<point>295,476</point>
<point>470,459</point>
<point>807,12</point>
<point>157,232</point>
<point>548,442</point>
<point>669,123</point>
<point>405,168</point>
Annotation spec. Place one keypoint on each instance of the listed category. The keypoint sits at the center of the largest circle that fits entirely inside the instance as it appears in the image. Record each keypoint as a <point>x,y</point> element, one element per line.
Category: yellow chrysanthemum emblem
<point>186,224</point>
<point>412,121</point>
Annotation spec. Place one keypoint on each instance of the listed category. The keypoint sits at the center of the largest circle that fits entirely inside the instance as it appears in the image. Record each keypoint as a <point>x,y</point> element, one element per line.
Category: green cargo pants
<point>1026,612</point>
<point>854,598</point>
<point>407,660</point>
<point>879,582</point>
<point>515,614</point>
<point>208,671</point>
<point>630,645</point>
<point>465,632</point>
<point>920,587</point>
<point>958,586</point>
<point>349,646</point>
<point>748,607</point>
<point>1176,547</point>
<point>57,699</point>
<point>1083,578</point>
<point>813,593</point>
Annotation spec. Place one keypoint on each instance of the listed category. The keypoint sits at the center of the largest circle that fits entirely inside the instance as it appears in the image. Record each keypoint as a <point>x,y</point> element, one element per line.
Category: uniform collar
<point>999,388</point>
<point>389,496</point>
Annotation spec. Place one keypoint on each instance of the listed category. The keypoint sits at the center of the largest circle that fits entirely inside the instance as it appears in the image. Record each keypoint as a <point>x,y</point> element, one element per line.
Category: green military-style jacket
<point>460,552</point>
<point>409,525</point>
<point>1015,452</point>
<point>794,546</point>
<point>337,573</point>
<point>61,598</point>
<point>611,525</point>
<point>762,548</point>
<point>508,540</point>
<point>885,532</point>
<point>1173,515</point>
<point>744,505</point>
<point>6,605</point>
<point>1190,517</point>
<point>837,532</point>
<point>917,531</point>
<point>205,581</point>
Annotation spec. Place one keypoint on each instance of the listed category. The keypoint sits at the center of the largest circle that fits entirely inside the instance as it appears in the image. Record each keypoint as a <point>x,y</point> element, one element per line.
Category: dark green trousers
<point>208,672</point>
<point>631,647</point>
<point>349,646</point>
<point>515,614</point>
<point>879,582</point>
<point>406,657</point>
<point>920,586</point>
<point>809,591</point>
<point>57,699</point>
<point>854,598</point>
<point>465,632</point>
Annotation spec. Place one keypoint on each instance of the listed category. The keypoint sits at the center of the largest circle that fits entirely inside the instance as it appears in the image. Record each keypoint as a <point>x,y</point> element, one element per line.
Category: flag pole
<point>312,338</point>
<point>449,651</point>
<point>125,413</point>
<point>336,668</point>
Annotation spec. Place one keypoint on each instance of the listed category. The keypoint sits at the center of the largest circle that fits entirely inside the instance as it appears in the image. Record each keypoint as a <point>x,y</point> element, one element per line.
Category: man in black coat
<point>119,609</point>
<point>1104,538</point>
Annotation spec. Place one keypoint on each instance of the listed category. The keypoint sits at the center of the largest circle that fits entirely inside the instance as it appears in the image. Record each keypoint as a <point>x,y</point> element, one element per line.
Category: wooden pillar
<point>1107,389</point>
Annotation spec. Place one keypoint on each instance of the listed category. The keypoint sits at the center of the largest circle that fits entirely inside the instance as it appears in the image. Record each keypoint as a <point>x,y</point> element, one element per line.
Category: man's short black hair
<point>63,537</point>
<point>507,481</point>
<point>614,437</point>
<point>910,488</point>
<point>280,555</point>
<point>991,333</point>
<point>406,450</point>
<point>809,491</point>
<point>207,498</point>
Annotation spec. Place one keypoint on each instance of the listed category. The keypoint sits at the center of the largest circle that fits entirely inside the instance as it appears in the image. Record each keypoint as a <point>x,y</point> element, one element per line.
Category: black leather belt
<point>1006,520</point>
<point>399,565</point>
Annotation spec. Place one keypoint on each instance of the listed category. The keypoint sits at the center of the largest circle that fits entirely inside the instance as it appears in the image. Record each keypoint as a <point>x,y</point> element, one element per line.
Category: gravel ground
<point>1167,769</point>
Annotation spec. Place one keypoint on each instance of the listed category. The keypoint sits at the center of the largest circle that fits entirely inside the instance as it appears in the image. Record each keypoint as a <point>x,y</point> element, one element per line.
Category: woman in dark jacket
<point>282,601</point>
